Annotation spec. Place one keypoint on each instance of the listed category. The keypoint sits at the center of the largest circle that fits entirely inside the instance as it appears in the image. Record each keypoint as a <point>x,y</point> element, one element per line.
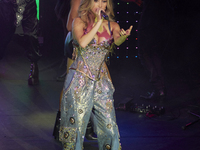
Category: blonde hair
<point>85,10</point>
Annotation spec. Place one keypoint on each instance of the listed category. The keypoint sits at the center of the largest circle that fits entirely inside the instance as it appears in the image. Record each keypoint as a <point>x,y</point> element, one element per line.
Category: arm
<point>73,13</point>
<point>78,31</point>
<point>120,35</point>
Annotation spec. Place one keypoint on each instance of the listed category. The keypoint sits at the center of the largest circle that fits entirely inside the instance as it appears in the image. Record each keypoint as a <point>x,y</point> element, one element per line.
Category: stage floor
<point>27,113</point>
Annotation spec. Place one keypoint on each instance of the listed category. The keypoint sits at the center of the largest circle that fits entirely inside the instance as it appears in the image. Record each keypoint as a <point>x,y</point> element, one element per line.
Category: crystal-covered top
<point>89,60</point>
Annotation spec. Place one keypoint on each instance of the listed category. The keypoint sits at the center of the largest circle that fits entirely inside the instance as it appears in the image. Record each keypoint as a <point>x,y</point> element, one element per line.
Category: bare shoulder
<point>114,25</point>
<point>78,21</point>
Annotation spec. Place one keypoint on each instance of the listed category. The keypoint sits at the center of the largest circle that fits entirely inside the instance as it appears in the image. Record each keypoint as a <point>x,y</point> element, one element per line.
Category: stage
<point>28,113</point>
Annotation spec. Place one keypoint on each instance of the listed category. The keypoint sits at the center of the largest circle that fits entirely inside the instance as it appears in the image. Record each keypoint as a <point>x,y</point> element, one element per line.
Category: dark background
<point>181,53</point>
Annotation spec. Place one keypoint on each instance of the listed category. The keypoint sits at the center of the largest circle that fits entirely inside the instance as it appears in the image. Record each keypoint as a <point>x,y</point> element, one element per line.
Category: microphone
<point>103,14</point>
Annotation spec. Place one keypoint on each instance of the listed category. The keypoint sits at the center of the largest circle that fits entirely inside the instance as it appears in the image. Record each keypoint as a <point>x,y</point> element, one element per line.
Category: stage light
<point>38,8</point>
<point>129,20</point>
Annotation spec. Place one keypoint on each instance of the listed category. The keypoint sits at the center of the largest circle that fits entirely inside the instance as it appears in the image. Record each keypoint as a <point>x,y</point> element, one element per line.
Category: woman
<point>88,91</point>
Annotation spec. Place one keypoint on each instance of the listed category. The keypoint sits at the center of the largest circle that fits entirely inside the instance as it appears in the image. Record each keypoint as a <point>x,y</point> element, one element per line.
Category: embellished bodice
<point>89,60</point>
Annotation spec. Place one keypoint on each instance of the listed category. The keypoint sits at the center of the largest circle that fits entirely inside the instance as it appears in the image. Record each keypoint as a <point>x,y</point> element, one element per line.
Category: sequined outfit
<point>88,91</point>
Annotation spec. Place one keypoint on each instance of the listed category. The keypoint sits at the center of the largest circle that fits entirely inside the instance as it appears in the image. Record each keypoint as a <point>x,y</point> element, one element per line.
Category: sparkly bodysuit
<point>88,91</point>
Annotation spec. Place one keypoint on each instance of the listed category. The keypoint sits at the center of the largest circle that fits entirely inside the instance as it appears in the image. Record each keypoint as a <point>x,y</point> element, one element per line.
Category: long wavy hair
<point>85,11</point>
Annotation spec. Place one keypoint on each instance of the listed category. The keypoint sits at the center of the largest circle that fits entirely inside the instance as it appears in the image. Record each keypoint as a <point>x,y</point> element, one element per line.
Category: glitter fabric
<point>88,91</point>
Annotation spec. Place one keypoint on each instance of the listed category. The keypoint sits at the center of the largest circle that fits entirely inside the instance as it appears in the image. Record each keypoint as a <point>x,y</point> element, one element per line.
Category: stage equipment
<point>191,123</point>
<point>149,110</point>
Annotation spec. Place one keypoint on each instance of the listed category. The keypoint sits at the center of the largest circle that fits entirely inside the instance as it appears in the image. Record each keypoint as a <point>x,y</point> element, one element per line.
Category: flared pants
<point>83,98</point>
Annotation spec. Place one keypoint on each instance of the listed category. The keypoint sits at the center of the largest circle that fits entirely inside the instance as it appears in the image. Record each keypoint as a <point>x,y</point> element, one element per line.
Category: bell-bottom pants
<point>84,98</point>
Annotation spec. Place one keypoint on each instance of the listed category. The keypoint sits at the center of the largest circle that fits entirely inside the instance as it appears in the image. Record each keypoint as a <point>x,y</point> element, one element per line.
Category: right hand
<point>98,13</point>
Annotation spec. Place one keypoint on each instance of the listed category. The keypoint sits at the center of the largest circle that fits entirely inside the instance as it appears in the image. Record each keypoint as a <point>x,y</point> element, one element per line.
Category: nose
<point>100,4</point>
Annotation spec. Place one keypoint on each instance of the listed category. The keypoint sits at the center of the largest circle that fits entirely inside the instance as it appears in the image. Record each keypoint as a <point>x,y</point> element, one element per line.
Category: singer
<point>88,90</point>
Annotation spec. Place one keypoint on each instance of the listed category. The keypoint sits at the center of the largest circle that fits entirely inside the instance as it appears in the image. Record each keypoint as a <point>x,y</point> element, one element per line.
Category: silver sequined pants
<point>83,98</point>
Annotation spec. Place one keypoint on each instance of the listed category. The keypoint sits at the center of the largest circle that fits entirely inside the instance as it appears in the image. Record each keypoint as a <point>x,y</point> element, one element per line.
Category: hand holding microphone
<point>100,13</point>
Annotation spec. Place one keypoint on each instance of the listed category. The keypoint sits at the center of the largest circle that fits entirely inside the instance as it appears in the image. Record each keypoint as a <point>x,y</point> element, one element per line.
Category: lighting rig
<point>127,14</point>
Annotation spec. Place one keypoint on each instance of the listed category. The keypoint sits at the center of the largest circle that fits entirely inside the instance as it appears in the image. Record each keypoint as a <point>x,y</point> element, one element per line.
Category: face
<point>99,4</point>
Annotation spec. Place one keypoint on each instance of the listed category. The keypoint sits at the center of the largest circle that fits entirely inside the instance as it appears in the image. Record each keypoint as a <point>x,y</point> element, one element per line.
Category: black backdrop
<point>182,51</point>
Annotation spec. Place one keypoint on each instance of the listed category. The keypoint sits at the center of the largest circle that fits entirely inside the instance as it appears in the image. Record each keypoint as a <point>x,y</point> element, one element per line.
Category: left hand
<point>126,33</point>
